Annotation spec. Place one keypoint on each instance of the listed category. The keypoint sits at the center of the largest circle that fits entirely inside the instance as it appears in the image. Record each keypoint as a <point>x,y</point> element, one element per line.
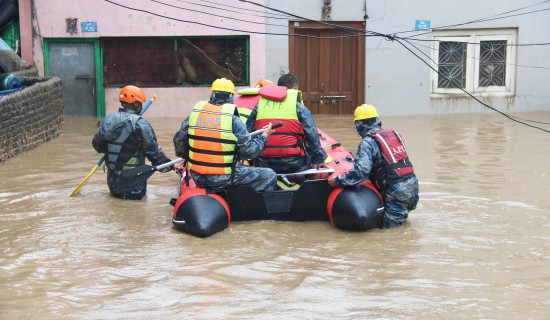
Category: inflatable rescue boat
<point>199,212</point>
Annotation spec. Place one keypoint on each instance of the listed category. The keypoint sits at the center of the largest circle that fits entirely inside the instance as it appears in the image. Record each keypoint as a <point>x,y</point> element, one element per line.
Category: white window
<point>481,62</point>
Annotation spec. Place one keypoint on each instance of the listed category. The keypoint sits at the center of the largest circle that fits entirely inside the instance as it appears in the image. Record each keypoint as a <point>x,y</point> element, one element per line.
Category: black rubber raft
<point>201,213</point>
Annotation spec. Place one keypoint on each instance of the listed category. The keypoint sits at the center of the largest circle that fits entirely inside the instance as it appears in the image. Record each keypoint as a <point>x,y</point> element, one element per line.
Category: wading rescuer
<point>126,139</point>
<point>296,146</point>
<point>213,136</point>
<point>382,158</point>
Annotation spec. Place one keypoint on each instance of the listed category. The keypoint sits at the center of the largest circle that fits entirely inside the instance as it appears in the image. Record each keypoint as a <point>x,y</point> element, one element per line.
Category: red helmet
<point>264,82</point>
<point>131,94</point>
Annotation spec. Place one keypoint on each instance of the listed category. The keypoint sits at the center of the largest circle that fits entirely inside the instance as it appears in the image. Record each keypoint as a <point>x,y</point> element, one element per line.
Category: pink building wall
<point>48,21</point>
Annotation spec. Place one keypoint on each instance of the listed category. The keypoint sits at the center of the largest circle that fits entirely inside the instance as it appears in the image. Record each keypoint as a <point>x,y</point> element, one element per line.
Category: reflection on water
<point>476,246</point>
<point>475,154</point>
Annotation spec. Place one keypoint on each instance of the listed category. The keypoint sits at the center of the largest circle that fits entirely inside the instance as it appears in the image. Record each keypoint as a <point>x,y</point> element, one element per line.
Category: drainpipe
<point>25,30</point>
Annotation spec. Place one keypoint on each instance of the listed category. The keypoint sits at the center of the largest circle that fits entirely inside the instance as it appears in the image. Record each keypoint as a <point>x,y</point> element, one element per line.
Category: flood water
<point>476,247</point>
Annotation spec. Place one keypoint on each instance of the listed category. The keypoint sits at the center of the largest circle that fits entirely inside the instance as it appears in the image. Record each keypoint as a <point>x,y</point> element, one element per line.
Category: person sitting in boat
<point>296,147</point>
<point>212,137</point>
<point>249,98</point>
<point>126,139</point>
<point>382,158</point>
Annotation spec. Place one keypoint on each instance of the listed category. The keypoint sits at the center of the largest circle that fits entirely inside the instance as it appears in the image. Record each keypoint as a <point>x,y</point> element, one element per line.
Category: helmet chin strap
<point>137,106</point>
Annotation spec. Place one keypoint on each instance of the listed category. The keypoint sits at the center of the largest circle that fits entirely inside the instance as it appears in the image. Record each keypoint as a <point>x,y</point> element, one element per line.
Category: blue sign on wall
<point>89,26</point>
<point>422,25</point>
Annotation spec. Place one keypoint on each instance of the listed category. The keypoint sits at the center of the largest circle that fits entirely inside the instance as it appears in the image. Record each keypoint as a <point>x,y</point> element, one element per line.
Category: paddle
<point>308,171</point>
<point>143,172</point>
<point>103,158</point>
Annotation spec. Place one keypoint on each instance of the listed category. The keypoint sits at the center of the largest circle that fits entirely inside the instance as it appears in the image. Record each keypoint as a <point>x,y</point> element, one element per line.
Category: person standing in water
<point>127,139</point>
<point>382,158</point>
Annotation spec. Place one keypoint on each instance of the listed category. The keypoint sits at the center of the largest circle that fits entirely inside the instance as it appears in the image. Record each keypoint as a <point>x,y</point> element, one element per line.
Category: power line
<point>390,37</point>
<point>219,27</point>
<point>280,16</point>
<point>353,31</point>
<point>216,15</point>
<point>476,43</point>
<point>495,17</point>
<point>475,58</point>
<point>455,85</point>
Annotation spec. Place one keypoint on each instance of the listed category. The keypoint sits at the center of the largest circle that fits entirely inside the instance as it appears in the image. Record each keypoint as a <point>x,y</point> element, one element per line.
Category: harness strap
<point>210,164</point>
<point>216,153</point>
<point>400,164</point>
<point>194,137</point>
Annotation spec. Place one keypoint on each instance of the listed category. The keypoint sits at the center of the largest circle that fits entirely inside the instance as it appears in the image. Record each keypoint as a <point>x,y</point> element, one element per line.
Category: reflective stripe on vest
<point>211,139</point>
<point>244,113</point>
<point>393,150</point>
<point>246,103</point>
<point>289,139</point>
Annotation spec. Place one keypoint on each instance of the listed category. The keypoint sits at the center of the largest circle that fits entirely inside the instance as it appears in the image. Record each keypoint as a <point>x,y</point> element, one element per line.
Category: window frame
<point>473,48</point>
<point>246,62</point>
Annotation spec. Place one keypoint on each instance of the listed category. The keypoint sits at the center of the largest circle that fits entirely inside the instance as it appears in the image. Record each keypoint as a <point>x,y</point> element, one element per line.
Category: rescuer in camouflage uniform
<point>399,191</point>
<point>247,147</point>
<point>126,139</point>
<point>314,155</point>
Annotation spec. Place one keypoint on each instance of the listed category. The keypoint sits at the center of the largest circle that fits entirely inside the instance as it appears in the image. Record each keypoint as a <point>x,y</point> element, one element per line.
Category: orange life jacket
<point>211,139</point>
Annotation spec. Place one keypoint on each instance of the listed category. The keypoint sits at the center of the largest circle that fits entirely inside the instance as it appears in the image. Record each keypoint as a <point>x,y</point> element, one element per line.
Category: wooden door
<point>330,65</point>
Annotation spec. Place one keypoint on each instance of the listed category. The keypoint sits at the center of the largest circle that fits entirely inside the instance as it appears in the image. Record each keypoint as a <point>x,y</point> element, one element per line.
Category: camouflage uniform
<point>400,197</point>
<point>314,153</point>
<point>147,146</point>
<point>261,179</point>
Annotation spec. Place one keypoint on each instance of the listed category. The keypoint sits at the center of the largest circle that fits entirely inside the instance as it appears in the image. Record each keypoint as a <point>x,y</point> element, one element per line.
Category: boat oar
<point>308,171</point>
<point>142,173</point>
<point>103,158</point>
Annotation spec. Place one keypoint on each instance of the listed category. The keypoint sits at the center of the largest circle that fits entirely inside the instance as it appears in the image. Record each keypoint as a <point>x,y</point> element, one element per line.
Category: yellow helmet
<point>365,111</point>
<point>223,84</point>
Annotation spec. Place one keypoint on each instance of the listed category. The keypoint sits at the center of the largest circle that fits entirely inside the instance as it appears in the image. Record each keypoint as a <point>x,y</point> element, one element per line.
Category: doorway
<point>76,64</point>
<point>331,68</point>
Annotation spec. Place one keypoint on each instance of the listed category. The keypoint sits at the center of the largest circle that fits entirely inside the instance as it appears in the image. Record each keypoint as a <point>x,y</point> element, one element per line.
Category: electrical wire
<point>216,15</point>
<point>278,16</point>
<point>475,58</point>
<point>496,17</point>
<point>352,31</point>
<point>222,28</point>
<point>394,38</point>
<point>459,87</point>
<point>455,85</point>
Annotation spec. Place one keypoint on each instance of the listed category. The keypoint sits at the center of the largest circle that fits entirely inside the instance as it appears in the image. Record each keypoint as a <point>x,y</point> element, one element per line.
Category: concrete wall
<point>396,81</point>
<point>115,21</point>
<point>30,116</point>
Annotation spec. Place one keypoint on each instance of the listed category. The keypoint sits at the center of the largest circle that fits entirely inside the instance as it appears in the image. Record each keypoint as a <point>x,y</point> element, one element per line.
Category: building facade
<point>404,57</point>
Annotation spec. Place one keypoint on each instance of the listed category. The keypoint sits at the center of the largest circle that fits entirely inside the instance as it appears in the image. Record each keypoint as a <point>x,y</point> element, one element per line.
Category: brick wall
<point>31,116</point>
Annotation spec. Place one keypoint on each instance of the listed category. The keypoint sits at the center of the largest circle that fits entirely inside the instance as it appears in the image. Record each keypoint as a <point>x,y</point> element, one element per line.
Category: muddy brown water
<point>477,246</point>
